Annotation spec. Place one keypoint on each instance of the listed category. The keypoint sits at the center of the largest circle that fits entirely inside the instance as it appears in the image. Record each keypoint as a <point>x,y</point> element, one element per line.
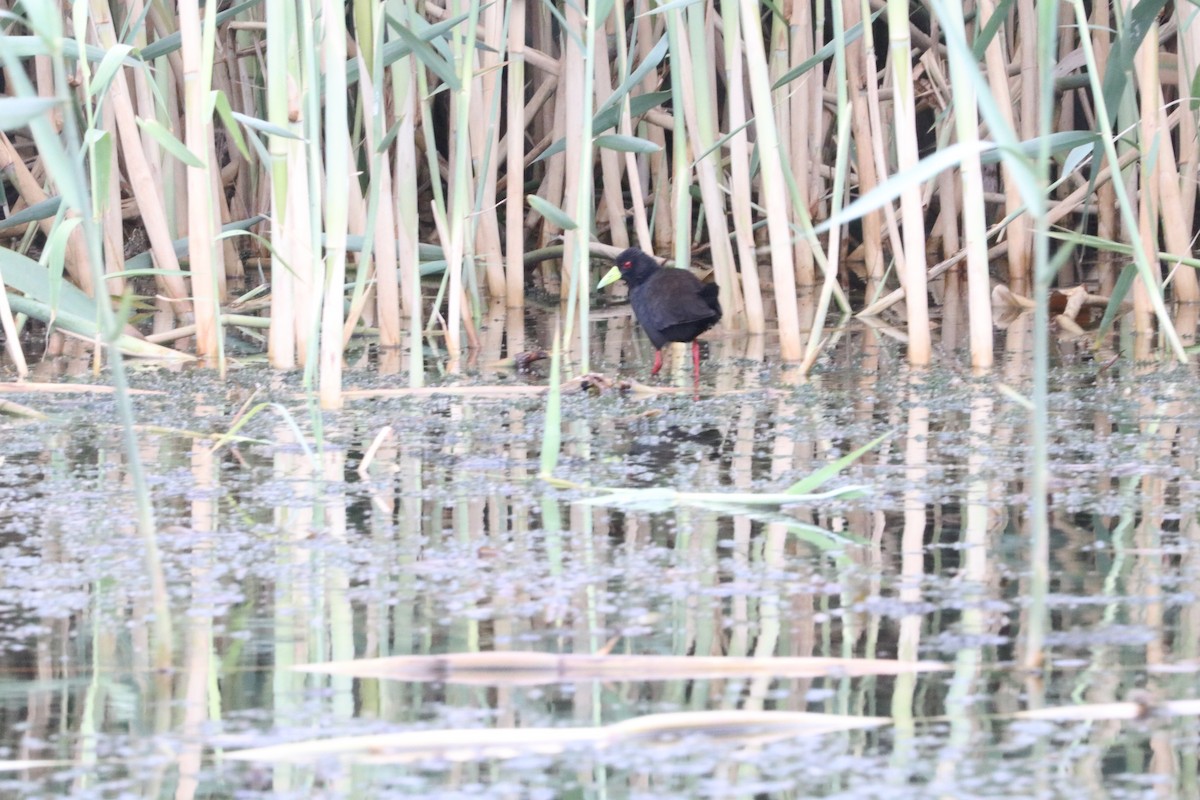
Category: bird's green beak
<point>612,276</point>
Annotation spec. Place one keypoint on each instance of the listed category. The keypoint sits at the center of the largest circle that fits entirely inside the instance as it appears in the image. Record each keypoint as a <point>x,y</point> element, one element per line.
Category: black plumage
<point>672,305</point>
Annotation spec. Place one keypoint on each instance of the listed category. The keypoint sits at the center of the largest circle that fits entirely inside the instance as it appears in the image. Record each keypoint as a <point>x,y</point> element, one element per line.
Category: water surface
<point>278,554</point>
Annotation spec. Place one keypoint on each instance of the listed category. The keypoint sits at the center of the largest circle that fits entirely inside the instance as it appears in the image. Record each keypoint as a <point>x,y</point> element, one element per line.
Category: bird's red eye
<point>627,265</point>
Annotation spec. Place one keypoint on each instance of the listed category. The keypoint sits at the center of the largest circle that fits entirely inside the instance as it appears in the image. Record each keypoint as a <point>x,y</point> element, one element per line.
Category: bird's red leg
<point>657,362</point>
<point>696,360</point>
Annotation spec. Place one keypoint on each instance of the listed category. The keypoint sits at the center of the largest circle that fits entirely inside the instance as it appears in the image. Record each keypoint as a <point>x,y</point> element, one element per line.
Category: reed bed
<point>382,169</point>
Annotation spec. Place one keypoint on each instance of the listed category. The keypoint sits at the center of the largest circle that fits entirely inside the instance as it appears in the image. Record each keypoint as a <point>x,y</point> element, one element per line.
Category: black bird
<point>672,305</point>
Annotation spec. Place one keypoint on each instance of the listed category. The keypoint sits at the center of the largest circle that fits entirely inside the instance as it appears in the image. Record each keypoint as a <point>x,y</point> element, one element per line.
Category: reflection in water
<point>279,554</point>
<point>655,450</point>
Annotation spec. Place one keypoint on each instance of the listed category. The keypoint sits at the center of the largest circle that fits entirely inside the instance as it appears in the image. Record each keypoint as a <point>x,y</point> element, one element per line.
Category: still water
<point>418,525</point>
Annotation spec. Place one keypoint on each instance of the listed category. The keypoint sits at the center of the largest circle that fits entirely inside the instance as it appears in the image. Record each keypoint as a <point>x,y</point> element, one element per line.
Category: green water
<point>276,555</point>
